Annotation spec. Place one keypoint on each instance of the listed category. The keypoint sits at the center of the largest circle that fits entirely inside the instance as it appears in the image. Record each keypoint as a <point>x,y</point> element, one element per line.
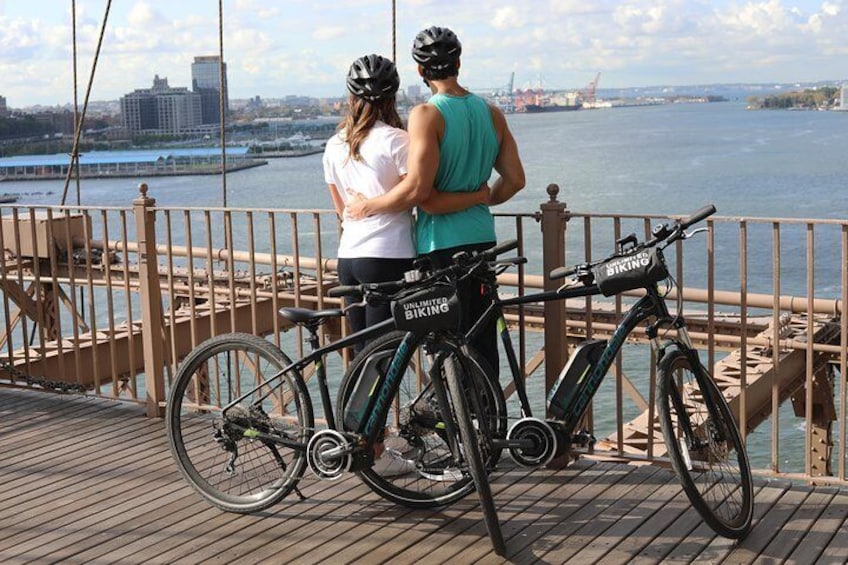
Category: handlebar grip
<point>696,217</point>
<point>502,248</point>
<point>344,290</point>
<point>561,273</point>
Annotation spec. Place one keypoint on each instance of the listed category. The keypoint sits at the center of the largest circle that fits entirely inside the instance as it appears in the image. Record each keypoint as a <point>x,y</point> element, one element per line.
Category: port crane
<point>589,93</point>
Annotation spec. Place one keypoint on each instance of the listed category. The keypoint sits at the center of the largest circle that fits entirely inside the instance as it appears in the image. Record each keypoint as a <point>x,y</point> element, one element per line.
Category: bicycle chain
<point>46,384</point>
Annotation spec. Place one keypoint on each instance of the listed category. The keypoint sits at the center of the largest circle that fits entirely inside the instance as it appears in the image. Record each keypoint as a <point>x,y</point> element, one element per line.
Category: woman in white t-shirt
<point>368,156</point>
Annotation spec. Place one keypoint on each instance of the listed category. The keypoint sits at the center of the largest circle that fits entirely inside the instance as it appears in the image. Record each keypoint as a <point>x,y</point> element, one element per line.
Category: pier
<point>129,164</point>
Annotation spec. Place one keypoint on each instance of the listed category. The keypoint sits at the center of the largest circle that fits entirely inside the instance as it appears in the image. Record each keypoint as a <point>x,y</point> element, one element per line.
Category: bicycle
<point>241,426</point>
<point>702,438</point>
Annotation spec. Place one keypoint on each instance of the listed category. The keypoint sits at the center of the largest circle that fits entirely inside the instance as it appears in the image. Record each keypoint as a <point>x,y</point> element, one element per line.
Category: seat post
<point>312,328</point>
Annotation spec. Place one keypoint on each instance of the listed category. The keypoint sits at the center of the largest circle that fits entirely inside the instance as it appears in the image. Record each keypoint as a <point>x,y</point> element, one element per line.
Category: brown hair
<point>361,117</point>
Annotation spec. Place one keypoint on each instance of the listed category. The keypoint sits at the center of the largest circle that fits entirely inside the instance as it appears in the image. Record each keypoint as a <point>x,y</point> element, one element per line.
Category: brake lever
<point>359,304</point>
<point>688,234</point>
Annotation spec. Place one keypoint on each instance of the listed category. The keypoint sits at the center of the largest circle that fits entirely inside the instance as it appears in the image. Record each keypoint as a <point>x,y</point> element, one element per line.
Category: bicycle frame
<point>495,310</point>
<point>650,305</point>
<point>317,356</point>
<point>378,408</point>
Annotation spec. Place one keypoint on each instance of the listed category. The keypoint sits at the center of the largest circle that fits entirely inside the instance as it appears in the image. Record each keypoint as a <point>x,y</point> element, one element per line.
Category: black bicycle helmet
<point>372,78</point>
<point>436,48</point>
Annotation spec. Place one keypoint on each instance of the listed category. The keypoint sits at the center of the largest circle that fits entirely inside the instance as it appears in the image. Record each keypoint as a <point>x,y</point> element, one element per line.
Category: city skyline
<point>305,47</point>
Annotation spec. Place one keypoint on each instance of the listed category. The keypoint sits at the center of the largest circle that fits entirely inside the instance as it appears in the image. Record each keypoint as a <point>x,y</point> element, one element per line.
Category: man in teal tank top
<point>456,140</point>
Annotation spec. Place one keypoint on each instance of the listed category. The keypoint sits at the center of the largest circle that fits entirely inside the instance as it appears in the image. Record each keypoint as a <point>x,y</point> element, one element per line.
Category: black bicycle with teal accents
<point>702,439</point>
<point>242,429</point>
<point>701,436</point>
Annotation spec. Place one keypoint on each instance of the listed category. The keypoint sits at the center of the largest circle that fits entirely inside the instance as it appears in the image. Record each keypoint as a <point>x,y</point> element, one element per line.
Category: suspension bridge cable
<point>78,129</point>
<point>75,156</point>
<point>221,98</point>
<point>394,31</point>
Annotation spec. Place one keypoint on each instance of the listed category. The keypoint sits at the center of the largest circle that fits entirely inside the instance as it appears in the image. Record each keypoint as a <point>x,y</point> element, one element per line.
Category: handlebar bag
<point>429,310</point>
<point>636,269</point>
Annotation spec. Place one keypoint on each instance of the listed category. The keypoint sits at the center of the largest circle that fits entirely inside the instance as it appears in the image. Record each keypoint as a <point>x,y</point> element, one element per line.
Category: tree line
<point>824,97</point>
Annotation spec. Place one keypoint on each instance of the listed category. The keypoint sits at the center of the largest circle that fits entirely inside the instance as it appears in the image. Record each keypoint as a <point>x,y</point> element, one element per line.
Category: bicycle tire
<point>715,476</point>
<point>459,396</point>
<point>407,473</point>
<point>223,458</point>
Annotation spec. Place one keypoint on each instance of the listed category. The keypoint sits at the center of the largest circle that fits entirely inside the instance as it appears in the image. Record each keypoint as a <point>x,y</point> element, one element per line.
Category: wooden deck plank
<point>774,518</point>
<point>696,537</point>
<point>286,521</point>
<point>798,526</point>
<point>594,515</point>
<point>837,550</point>
<point>516,530</point>
<point>382,538</point>
<point>255,533</point>
<point>635,529</point>
<point>87,480</point>
<point>545,522</point>
<point>470,526</point>
<point>81,490</point>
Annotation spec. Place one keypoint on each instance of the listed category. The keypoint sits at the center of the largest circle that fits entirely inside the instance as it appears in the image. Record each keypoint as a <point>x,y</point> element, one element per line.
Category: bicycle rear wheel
<point>415,467</point>
<point>705,446</point>
<point>464,404</point>
<point>232,458</point>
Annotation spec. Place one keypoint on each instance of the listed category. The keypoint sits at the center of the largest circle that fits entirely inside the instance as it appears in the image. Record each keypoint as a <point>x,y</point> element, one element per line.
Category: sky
<point>279,48</point>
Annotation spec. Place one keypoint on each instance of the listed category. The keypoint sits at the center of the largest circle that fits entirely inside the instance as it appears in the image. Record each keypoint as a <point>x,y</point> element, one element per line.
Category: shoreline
<point>192,171</point>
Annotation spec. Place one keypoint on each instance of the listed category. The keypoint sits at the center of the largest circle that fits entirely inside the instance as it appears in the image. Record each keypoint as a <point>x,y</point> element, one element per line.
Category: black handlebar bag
<point>429,310</point>
<point>636,269</point>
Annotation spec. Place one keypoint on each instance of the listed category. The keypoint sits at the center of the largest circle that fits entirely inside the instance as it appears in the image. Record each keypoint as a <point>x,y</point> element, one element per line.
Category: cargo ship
<point>534,108</point>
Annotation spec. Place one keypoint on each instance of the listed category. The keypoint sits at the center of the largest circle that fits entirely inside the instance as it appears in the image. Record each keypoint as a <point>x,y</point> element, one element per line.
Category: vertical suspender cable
<point>394,31</point>
<point>221,98</point>
<point>78,129</point>
<point>75,156</point>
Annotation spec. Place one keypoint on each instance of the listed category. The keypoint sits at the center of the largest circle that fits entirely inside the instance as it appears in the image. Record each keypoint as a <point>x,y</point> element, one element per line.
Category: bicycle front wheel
<point>252,455</point>
<point>705,446</point>
<point>414,466</point>
<point>464,405</point>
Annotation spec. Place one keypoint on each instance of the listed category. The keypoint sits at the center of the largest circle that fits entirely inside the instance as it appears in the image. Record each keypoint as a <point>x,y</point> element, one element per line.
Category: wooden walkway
<point>85,480</point>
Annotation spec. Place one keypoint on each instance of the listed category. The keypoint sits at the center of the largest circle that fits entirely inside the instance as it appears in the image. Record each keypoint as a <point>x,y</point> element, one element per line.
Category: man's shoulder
<point>426,115</point>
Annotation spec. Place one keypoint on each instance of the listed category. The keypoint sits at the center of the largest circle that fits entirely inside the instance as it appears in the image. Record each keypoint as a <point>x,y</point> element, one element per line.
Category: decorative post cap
<point>553,191</point>
<point>143,199</point>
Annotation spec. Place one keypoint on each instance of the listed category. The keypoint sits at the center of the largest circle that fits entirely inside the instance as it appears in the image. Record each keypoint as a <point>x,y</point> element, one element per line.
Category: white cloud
<point>632,43</point>
<point>507,17</point>
<point>143,15</point>
<point>830,9</point>
<point>762,18</point>
<point>329,32</point>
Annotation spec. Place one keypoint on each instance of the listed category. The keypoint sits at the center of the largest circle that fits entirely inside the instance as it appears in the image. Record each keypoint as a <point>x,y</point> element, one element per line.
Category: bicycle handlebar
<point>662,232</point>
<point>697,216</point>
<point>463,265</point>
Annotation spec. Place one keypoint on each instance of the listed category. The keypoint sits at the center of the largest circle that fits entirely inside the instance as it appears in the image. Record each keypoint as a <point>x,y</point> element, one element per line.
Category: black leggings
<point>369,270</point>
<point>473,303</point>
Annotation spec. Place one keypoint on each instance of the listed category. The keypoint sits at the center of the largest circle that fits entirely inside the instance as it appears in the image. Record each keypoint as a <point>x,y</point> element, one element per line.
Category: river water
<point>656,160</point>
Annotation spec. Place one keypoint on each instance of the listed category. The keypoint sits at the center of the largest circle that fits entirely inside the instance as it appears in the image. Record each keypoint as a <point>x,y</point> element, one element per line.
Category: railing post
<point>553,255</point>
<point>151,302</point>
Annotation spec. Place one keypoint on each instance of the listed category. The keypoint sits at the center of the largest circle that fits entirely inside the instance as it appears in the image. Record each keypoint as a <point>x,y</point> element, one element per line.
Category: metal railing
<point>109,300</point>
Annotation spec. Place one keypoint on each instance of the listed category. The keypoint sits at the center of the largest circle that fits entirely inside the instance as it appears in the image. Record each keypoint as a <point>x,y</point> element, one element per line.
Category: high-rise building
<point>206,79</point>
<point>413,91</point>
<point>161,109</point>
<point>3,110</point>
<point>843,97</point>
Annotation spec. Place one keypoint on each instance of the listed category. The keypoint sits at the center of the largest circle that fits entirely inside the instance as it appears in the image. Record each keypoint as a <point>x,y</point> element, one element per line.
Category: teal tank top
<point>467,154</point>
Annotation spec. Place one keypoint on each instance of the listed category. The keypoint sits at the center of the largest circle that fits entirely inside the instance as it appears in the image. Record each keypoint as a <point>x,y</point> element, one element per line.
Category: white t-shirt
<point>381,167</point>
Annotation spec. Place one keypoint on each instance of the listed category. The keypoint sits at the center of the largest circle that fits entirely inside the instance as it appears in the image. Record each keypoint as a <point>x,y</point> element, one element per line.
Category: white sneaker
<point>392,463</point>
